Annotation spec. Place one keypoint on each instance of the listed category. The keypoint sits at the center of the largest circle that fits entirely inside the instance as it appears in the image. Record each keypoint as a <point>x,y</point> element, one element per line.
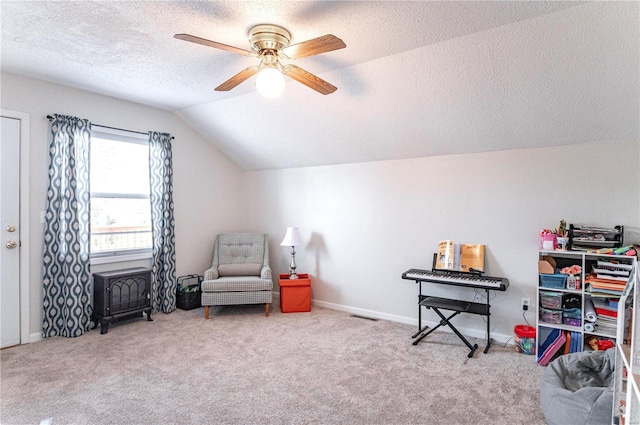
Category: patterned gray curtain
<point>66,276</point>
<point>163,273</point>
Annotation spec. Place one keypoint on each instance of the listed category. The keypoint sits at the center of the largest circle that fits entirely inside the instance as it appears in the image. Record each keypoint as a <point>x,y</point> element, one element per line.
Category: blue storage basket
<point>555,281</point>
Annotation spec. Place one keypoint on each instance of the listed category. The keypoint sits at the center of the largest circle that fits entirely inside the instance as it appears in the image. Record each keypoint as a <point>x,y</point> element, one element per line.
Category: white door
<point>10,231</point>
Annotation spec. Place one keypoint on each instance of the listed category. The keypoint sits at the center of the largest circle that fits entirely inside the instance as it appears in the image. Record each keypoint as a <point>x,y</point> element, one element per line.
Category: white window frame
<point>127,254</point>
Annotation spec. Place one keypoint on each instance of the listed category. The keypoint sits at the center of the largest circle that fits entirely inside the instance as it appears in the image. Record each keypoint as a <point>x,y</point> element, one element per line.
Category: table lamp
<point>292,238</point>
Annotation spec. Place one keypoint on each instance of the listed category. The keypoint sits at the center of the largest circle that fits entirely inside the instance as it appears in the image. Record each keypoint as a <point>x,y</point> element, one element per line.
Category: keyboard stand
<point>457,307</point>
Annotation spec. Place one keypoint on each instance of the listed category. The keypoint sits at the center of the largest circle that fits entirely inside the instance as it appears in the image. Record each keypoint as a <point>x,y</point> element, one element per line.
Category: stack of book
<point>606,315</point>
<point>608,278</point>
<point>559,342</point>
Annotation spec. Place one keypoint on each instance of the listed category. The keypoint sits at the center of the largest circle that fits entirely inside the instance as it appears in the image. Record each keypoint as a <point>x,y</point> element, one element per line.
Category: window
<point>120,206</point>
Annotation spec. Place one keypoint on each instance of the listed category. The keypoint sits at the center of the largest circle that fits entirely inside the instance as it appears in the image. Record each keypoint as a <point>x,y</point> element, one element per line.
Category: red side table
<point>295,294</point>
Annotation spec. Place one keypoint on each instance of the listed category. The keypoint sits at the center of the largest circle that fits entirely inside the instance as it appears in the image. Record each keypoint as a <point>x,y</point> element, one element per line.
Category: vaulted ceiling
<point>417,78</point>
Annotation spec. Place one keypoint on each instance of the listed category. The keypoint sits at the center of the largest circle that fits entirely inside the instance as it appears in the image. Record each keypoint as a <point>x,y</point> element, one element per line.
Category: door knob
<point>11,244</point>
<point>11,228</point>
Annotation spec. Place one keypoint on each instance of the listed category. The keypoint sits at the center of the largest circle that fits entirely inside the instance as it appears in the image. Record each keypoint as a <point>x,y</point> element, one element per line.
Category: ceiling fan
<point>270,43</point>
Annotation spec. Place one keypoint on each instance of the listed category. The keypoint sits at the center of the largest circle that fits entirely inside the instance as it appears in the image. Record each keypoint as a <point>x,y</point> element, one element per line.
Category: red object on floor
<point>295,294</point>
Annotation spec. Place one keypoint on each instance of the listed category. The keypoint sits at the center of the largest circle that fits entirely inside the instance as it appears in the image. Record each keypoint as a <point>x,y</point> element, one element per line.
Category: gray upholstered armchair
<point>240,272</point>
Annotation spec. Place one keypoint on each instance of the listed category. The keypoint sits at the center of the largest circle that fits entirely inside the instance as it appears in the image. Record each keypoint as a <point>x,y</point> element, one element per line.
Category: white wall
<point>207,185</point>
<point>366,223</point>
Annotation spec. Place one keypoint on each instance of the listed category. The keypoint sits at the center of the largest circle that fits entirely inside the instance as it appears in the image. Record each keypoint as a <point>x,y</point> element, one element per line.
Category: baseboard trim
<point>475,333</point>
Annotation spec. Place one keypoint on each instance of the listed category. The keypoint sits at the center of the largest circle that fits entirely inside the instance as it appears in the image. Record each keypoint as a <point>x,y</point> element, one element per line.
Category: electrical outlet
<point>526,302</point>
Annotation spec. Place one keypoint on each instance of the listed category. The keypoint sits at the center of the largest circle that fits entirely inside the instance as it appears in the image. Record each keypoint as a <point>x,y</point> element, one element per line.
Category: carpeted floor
<point>239,367</point>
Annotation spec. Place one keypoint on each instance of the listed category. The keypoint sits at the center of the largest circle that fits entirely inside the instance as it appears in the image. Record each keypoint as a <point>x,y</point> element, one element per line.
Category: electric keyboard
<point>457,278</point>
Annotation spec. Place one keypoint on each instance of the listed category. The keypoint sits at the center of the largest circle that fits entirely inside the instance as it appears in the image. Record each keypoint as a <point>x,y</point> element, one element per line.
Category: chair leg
<point>266,311</point>
<point>206,312</point>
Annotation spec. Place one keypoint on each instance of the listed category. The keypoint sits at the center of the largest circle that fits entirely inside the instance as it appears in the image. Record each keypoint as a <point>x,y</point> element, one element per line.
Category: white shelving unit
<point>586,261</point>
<point>626,403</point>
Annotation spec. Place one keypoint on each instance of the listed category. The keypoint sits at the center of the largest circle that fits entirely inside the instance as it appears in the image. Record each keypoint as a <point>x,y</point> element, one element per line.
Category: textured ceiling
<point>417,78</point>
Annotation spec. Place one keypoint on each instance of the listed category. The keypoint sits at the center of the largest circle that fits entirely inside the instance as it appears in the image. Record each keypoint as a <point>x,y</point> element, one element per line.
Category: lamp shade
<point>292,238</point>
<point>270,82</point>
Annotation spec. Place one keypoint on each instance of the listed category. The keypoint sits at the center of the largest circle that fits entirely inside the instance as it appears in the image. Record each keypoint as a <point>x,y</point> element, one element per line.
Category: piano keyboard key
<point>457,278</point>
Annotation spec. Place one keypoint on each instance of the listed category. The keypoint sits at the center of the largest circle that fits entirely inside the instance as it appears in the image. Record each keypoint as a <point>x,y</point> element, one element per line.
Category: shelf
<point>578,254</point>
<point>586,261</point>
<point>600,334</point>
<point>560,326</point>
<point>559,253</point>
<point>565,291</point>
<point>591,294</point>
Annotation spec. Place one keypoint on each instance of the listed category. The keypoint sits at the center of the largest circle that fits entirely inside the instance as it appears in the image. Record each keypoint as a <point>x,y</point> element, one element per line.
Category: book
<point>460,257</point>
<point>612,265</point>
<point>600,292</point>
<point>576,341</point>
<point>605,303</point>
<point>612,277</point>
<point>610,271</point>
<point>555,345</point>
<point>446,255</point>
<point>606,312</point>
<point>605,283</point>
<point>606,320</point>
<point>547,342</point>
<point>471,257</point>
<point>602,286</point>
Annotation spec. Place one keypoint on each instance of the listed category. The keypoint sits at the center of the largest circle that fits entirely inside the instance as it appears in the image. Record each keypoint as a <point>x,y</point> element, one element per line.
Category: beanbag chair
<point>577,388</point>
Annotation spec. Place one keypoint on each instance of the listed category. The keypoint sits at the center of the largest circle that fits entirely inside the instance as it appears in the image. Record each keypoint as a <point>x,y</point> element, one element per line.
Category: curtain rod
<point>50,118</point>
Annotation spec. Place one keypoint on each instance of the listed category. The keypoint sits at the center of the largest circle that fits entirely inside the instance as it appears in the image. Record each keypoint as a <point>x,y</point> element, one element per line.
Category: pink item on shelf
<point>548,241</point>
<point>553,348</point>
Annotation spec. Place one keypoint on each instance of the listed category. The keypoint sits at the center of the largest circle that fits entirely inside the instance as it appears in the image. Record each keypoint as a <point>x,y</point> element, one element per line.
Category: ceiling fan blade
<point>205,42</point>
<point>309,80</point>
<point>326,43</point>
<point>237,79</point>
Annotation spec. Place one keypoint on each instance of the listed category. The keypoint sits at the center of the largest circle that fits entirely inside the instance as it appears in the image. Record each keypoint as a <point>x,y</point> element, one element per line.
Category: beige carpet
<point>239,367</point>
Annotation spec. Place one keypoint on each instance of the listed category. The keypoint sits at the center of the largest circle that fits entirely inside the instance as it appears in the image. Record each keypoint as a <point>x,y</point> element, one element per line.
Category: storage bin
<point>572,316</point>
<point>295,294</point>
<point>551,316</point>
<point>555,281</point>
<point>572,303</point>
<point>551,300</point>
<point>189,295</point>
<point>571,321</point>
<point>525,339</point>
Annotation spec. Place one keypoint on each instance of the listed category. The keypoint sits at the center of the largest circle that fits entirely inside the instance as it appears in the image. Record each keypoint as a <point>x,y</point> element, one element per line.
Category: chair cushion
<point>235,298</point>
<point>237,284</point>
<point>247,269</point>
<point>241,248</point>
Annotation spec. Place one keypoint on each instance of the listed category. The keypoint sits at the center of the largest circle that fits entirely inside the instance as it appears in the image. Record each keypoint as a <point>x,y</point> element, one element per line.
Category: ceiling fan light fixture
<point>270,43</point>
<point>270,82</point>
